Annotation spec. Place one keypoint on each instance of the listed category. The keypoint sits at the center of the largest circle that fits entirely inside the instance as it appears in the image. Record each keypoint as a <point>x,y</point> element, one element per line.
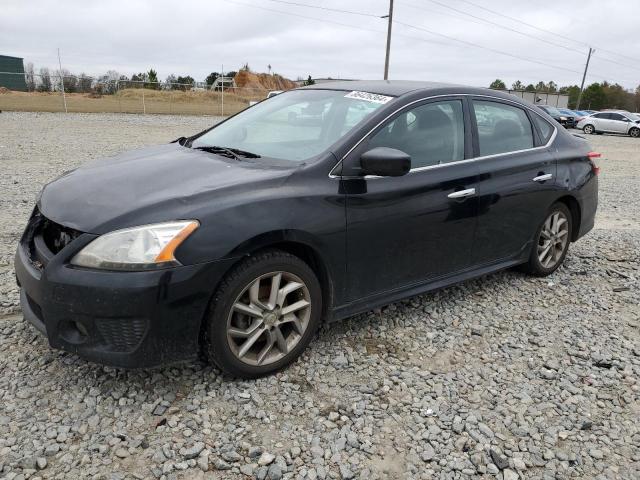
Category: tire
<point>588,129</point>
<point>634,132</point>
<point>539,264</point>
<point>247,334</point>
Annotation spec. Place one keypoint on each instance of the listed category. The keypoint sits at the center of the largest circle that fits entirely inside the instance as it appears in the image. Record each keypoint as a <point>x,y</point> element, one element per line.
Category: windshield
<point>295,125</point>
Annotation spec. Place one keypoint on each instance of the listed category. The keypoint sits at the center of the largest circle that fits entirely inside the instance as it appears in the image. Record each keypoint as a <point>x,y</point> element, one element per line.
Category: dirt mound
<point>262,81</point>
<point>4,90</point>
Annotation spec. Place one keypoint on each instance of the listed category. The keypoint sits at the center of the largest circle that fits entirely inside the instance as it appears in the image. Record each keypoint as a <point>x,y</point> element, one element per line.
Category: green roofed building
<point>9,66</point>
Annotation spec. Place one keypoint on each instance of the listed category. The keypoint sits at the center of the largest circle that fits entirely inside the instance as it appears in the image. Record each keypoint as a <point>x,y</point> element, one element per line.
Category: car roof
<point>396,88</point>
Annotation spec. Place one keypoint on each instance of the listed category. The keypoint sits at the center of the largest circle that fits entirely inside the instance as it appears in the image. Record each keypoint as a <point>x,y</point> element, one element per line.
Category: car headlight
<point>138,248</point>
<point>563,118</point>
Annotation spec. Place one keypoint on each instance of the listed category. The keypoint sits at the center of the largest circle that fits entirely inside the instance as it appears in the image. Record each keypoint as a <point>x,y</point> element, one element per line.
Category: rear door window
<point>502,128</point>
<point>544,128</point>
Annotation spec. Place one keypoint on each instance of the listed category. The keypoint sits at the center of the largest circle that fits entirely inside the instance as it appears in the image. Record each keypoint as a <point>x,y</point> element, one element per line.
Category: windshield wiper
<point>219,150</point>
<point>228,152</point>
<point>244,153</point>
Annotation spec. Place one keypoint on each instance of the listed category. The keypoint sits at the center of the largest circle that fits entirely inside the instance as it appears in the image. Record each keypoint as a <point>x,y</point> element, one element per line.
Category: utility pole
<point>64,98</point>
<point>386,59</point>
<point>584,75</point>
<point>222,91</point>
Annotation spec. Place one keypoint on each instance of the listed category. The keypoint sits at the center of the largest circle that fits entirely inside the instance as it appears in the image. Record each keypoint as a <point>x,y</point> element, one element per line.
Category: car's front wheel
<point>263,315</point>
<point>588,129</point>
<point>551,242</point>
<point>635,132</point>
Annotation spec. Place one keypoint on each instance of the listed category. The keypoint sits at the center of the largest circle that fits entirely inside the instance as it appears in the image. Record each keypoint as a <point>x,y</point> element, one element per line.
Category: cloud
<point>196,37</point>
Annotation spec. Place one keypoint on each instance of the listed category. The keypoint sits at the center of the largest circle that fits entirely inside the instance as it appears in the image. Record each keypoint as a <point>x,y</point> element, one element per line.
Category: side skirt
<point>385,298</point>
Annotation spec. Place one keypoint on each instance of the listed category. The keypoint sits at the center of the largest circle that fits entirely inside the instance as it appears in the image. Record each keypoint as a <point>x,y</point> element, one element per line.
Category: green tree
<point>152,80</point>
<point>211,78</point>
<point>552,87</point>
<point>517,85</point>
<point>617,97</point>
<point>185,83</point>
<point>541,87</point>
<point>573,91</point>
<point>530,88</point>
<point>593,97</point>
<point>498,84</point>
<point>309,81</point>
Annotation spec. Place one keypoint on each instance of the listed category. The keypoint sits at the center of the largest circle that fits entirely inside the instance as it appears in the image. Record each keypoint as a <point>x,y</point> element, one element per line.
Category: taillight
<point>594,166</point>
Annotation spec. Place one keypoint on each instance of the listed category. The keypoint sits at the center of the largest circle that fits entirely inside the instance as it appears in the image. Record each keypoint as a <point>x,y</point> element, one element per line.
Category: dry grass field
<point>134,101</point>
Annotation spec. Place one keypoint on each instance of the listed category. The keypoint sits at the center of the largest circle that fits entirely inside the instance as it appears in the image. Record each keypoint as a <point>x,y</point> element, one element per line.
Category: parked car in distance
<point>580,114</point>
<point>590,111</point>
<point>611,121</point>
<point>577,116</point>
<point>567,121</point>
<point>239,241</point>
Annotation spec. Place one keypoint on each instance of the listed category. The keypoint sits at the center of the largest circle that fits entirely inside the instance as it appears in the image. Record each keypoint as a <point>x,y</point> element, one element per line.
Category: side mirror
<point>385,162</point>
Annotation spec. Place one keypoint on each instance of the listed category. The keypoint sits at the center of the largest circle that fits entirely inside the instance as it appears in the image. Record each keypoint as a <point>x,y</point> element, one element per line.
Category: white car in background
<point>612,121</point>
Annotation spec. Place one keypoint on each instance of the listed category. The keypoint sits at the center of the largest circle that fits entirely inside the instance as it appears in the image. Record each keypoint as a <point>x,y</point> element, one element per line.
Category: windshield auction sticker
<point>369,97</point>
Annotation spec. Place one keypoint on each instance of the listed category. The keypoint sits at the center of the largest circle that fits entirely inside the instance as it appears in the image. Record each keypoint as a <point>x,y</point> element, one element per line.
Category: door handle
<point>462,193</point>
<point>543,178</point>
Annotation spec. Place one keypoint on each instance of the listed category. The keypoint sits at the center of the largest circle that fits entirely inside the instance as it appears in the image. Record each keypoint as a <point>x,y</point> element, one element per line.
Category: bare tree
<point>29,77</point>
<point>45,80</point>
<point>84,83</point>
<point>70,81</point>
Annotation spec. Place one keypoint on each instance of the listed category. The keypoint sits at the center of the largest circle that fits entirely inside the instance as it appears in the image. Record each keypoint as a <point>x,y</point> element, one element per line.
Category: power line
<point>357,27</point>
<point>464,42</point>
<point>318,7</point>
<point>322,20</point>
<point>515,31</point>
<point>545,30</point>
<point>502,26</point>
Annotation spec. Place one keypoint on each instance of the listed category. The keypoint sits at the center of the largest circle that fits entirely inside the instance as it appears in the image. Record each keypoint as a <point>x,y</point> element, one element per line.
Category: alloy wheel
<point>635,132</point>
<point>588,129</point>
<point>269,318</point>
<point>553,239</point>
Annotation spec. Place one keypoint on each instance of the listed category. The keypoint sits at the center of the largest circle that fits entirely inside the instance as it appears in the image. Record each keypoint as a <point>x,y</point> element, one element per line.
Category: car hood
<point>153,184</point>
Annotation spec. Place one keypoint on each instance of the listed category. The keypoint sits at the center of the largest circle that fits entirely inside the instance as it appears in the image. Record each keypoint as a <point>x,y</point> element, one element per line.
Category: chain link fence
<point>70,93</point>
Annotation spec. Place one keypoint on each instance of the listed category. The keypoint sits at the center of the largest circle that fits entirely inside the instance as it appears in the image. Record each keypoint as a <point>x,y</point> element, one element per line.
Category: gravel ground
<point>503,377</point>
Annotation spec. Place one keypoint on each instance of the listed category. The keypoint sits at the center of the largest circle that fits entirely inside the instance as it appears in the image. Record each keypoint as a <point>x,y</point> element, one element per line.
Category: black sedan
<point>312,206</point>
<point>567,121</point>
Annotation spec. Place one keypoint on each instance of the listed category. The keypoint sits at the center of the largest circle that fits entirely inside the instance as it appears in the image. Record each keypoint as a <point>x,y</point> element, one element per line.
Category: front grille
<point>56,236</point>
<point>44,238</point>
<point>121,334</point>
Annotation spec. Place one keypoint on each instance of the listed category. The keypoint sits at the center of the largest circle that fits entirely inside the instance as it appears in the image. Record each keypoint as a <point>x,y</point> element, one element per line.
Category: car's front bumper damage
<point>123,319</point>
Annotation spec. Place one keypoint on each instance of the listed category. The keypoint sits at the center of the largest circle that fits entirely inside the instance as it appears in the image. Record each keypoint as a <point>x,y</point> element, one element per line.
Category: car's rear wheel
<point>263,315</point>
<point>588,129</point>
<point>551,242</point>
<point>634,132</point>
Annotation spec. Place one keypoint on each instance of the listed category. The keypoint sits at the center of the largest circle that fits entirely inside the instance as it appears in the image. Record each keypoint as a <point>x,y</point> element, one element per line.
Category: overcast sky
<point>195,37</point>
